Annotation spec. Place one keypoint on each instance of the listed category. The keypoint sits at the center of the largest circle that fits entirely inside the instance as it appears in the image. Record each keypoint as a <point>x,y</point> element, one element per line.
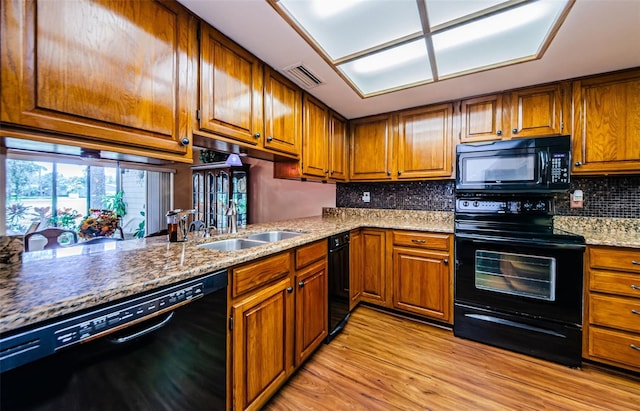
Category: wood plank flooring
<point>384,362</point>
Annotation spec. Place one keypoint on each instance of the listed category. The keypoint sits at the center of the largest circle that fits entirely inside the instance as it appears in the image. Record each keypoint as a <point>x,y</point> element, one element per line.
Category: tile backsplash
<point>614,197</point>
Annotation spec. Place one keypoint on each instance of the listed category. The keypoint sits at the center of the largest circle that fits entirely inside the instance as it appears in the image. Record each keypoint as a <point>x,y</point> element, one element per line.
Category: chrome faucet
<point>232,213</point>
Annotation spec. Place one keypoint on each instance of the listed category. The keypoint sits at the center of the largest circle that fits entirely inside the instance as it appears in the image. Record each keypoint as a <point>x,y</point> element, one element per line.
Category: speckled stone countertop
<point>53,283</point>
<point>618,232</point>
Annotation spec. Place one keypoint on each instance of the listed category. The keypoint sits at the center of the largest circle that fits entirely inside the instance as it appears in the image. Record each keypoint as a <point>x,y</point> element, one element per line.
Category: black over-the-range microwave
<point>531,165</point>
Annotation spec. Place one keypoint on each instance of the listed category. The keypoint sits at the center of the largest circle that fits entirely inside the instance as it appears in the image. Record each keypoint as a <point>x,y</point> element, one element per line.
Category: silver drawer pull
<point>635,347</point>
<point>635,312</point>
<point>635,287</point>
<point>634,262</point>
<point>419,241</point>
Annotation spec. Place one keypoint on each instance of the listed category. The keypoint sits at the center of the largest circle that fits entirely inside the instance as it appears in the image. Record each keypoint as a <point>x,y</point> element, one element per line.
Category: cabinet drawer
<point>308,254</point>
<point>615,346</point>
<point>422,240</point>
<point>616,312</point>
<point>254,275</point>
<point>624,259</point>
<point>615,282</point>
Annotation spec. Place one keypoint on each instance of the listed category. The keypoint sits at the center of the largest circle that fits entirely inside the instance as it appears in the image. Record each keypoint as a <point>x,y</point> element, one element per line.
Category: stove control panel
<point>521,206</point>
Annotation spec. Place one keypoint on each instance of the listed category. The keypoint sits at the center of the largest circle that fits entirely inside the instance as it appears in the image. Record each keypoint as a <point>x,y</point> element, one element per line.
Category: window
<point>60,191</point>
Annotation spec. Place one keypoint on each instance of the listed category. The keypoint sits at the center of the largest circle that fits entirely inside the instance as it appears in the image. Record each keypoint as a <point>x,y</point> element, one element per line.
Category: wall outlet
<point>366,197</point>
<point>577,198</point>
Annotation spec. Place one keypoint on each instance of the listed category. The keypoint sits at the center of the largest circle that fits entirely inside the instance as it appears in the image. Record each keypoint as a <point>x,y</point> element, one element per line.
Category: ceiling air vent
<point>303,76</point>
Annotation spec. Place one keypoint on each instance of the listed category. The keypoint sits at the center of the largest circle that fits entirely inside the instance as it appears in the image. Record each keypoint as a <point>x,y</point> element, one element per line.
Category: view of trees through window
<point>48,193</point>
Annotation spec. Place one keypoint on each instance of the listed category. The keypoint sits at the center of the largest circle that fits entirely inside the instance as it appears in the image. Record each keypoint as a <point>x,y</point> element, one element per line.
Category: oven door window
<point>516,274</point>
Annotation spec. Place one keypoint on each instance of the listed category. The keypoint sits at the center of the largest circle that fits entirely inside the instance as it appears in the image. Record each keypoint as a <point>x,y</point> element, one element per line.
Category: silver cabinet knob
<point>185,141</point>
<point>257,135</point>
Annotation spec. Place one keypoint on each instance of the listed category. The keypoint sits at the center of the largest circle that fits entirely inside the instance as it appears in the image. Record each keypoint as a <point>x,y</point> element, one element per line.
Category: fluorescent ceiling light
<point>328,8</point>
<point>387,59</point>
<point>385,45</point>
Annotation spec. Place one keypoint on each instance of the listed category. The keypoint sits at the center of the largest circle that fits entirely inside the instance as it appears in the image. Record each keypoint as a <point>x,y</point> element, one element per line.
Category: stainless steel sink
<point>271,236</point>
<point>232,244</point>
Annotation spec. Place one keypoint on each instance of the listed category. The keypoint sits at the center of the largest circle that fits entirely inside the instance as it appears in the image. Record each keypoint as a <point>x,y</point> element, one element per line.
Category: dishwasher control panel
<point>115,317</point>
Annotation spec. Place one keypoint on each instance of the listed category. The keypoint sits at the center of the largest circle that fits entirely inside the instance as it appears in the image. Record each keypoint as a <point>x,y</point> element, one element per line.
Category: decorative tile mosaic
<point>614,196</point>
<point>611,196</point>
<point>414,195</point>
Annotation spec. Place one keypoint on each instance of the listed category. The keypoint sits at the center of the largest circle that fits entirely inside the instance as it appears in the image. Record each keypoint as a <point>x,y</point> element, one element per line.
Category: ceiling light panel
<point>445,11</point>
<point>345,27</point>
<point>513,35</point>
<point>390,69</point>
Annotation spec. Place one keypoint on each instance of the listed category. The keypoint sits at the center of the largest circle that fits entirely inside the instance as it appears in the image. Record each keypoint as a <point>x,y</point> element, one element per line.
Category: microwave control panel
<point>559,167</point>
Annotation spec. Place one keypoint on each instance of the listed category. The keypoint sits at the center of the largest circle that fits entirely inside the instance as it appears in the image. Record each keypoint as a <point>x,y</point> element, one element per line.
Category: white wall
<point>272,199</point>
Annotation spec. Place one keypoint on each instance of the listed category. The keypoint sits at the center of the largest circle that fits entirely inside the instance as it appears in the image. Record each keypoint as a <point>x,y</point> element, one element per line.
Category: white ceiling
<point>597,36</point>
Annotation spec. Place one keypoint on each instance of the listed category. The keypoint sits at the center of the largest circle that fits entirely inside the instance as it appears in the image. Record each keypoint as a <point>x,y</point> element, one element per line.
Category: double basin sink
<point>253,240</point>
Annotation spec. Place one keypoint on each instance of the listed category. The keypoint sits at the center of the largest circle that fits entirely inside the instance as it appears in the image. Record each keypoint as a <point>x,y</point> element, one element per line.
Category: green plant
<point>116,203</point>
<point>65,218</point>
<point>139,233</point>
<point>16,212</point>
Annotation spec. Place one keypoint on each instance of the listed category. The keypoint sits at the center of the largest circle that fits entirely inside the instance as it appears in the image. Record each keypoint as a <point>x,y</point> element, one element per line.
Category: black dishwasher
<point>338,283</point>
<point>114,358</point>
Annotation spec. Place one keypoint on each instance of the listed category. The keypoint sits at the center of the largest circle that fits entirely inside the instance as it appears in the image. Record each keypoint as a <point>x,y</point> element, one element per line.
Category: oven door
<point>529,277</point>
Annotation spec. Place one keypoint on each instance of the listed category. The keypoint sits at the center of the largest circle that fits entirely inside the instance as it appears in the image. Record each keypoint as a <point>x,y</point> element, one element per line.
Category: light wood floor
<point>382,362</point>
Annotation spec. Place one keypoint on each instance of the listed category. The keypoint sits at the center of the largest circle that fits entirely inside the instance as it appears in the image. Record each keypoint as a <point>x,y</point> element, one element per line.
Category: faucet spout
<point>232,214</point>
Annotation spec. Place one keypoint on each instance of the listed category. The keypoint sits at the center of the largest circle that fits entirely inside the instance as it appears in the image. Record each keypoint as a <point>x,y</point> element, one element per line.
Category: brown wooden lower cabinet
<point>612,307</point>
<point>262,344</point>
<point>404,270</point>
<point>355,268</point>
<point>422,275</point>
<point>374,273</point>
<point>279,317</point>
<point>311,309</point>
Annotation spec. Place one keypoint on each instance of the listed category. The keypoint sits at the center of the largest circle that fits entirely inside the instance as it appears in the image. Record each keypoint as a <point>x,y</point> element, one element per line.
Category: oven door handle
<point>516,241</point>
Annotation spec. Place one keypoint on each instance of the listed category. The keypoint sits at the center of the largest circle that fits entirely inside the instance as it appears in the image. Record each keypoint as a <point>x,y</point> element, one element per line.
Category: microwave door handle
<point>542,156</point>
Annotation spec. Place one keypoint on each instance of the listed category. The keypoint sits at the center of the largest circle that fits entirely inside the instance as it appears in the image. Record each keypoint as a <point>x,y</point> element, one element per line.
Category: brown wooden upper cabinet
<point>122,86</point>
<point>606,137</point>
<point>371,148</point>
<point>425,138</point>
<point>337,147</point>
<point>282,113</point>
<point>531,112</point>
<point>231,89</point>
<point>245,101</point>
<point>324,139</point>
<point>315,139</point>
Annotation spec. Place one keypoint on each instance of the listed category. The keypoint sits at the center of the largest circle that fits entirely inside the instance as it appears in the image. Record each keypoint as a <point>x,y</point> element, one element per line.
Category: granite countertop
<point>615,232</point>
<point>53,283</point>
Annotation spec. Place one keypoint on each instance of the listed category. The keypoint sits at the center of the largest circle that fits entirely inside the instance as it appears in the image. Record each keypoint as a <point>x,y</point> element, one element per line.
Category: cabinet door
<point>424,142</point>
<point>481,119</point>
<point>312,314</point>
<point>262,344</point>
<point>109,71</point>
<point>370,152</point>
<point>422,283</point>
<point>282,114</point>
<point>374,282</point>
<point>337,147</point>
<point>230,89</point>
<point>315,152</point>
<point>539,111</point>
<point>355,268</point>
<point>606,130</point>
